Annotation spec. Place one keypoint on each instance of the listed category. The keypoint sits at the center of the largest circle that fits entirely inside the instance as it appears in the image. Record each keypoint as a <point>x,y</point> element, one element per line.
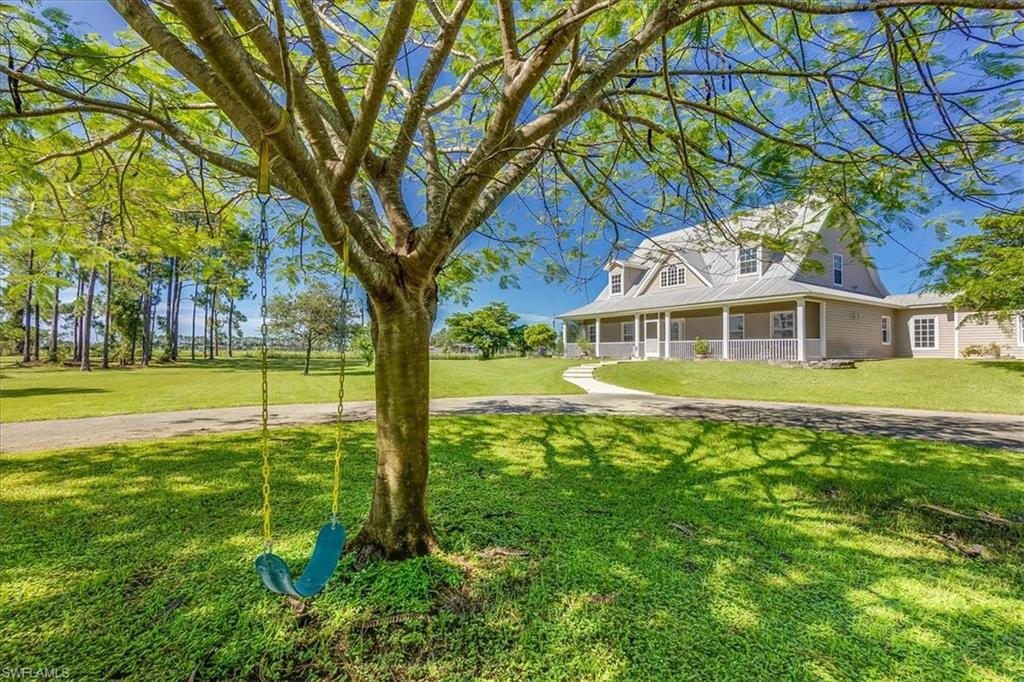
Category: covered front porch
<point>791,330</point>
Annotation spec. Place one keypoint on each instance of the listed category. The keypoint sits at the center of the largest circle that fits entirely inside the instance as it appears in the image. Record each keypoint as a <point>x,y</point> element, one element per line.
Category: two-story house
<point>750,303</point>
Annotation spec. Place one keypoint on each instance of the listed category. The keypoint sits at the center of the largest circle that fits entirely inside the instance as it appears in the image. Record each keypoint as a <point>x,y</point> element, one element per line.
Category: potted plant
<point>701,349</point>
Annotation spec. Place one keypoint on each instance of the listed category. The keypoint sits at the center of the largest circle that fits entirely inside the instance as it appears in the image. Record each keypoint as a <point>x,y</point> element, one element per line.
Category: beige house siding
<point>611,328</point>
<point>1007,336</point>
<point>951,340</point>
<point>630,277</point>
<point>857,275</point>
<point>944,333</point>
<point>692,281</point>
<point>706,324</point>
<point>854,330</point>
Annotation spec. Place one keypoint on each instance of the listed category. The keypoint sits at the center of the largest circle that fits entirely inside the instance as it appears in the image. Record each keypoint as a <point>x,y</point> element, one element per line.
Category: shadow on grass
<point>1014,366</point>
<point>632,548</point>
<point>40,391</point>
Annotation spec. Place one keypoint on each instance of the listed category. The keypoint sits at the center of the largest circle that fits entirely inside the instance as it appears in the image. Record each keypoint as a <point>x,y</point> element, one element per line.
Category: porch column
<point>801,334</point>
<point>666,336</point>
<point>597,337</point>
<point>725,332</point>
<point>821,327</point>
<point>636,335</point>
<point>956,334</point>
<point>565,336</point>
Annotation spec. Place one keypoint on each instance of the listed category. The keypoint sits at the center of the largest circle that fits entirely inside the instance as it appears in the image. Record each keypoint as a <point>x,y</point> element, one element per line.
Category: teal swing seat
<point>277,577</point>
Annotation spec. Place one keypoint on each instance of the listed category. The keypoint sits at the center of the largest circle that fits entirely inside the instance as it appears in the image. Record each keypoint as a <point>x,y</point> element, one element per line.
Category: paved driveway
<point>987,430</point>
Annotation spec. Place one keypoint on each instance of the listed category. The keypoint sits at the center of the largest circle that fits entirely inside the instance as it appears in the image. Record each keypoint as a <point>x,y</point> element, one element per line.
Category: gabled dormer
<point>622,277</point>
<point>675,272</point>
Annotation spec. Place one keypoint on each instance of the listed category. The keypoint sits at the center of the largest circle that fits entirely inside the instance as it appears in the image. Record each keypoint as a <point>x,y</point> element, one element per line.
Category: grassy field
<point>573,548</point>
<point>954,385</point>
<point>51,393</point>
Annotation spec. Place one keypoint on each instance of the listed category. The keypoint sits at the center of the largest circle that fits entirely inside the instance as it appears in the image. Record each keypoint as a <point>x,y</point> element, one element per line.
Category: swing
<point>330,541</point>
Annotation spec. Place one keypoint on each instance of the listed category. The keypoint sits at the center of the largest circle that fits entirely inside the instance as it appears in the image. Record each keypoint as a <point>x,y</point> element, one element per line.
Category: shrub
<point>977,350</point>
<point>701,346</point>
<point>586,347</point>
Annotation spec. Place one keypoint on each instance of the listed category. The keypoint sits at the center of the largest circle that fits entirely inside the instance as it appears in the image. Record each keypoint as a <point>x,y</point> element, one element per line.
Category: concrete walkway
<point>583,376</point>
<point>987,430</point>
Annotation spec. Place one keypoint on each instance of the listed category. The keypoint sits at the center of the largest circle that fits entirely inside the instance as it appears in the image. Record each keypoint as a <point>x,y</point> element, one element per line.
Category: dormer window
<point>616,283</point>
<point>748,260</point>
<point>673,276</point>
<point>837,269</point>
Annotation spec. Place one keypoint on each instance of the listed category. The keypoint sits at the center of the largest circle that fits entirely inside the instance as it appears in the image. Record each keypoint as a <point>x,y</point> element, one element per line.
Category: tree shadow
<point>1013,366</point>
<point>615,547</point>
<point>39,391</point>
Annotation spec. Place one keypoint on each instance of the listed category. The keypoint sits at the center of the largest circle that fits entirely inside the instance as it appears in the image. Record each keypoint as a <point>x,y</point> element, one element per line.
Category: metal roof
<point>919,298</point>
<point>736,292</point>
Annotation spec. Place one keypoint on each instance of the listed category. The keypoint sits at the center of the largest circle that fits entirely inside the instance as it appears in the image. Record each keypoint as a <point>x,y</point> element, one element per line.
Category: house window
<point>886,330</point>
<point>736,327</point>
<point>1020,330</point>
<point>748,260</point>
<point>673,276</point>
<point>628,332</point>
<point>592,333</point>
<point>926,335</point>
<point>784,325</point>
<point>675,330</point>
<point>837,269</point>
<point>616,283</point>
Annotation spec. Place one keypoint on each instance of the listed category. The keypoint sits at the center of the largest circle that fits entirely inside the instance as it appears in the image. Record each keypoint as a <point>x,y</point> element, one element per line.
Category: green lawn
<point>50,393</point>
<point>574,548</point>
<point>954,385</point>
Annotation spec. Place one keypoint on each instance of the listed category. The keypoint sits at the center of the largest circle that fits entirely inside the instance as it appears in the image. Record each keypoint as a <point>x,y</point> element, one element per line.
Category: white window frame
<point>886,330</point>
<point>775,313</point>
<point>740,262</point>
<point>1020,330</point>
<point>631,337</point>
<point>676,329</point>
<point>913,332</point>
<point>743,326</point>
<point>611,283</point>
<point>680,276</point>
<point>841,270</point>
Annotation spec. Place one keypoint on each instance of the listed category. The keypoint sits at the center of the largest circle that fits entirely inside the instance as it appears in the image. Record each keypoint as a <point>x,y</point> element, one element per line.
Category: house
<point>720,283</point>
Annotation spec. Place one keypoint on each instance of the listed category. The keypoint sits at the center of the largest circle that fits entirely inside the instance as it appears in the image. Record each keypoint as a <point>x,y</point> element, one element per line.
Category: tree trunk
<point>146,308</point>
<point>231,326</point>
<point>214,337</point>
<point>195,291</point>
<point>108,285</point>
<point>55,325</point>
<point>35,351</point>
<point>26,343</point>
<point>172,288</point>
<point>87,321</point>
<point>177,315</point>
<point>398,526</point>
<point>206,320</point>
<point>309,351</point>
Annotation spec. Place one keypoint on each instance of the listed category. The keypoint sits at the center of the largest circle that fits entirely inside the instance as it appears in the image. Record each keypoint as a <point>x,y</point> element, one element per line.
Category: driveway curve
<point>984,430</point>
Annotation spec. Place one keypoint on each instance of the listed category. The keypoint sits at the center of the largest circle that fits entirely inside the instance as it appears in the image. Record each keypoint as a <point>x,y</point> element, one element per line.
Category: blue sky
<point>898,264</point>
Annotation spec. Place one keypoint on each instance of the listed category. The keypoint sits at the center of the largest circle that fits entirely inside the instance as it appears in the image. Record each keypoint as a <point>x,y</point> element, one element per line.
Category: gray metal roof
<point>919,298</point>
<point>736,292</point>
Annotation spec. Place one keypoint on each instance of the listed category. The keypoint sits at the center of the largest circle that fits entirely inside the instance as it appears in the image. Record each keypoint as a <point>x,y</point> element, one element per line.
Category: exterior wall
<point>692,281</point>
<point>611,328</point>
<point>706,324</point>
<point>854,330</point>
<point>975,333</point>
<point>856,275</point>
<point>971,333</point>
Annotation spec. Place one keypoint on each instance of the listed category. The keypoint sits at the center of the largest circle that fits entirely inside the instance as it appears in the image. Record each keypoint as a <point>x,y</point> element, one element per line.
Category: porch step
<point>583,376</point>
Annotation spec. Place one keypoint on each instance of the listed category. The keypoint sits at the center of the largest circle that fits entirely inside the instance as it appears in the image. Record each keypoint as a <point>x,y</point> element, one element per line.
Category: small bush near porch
<point>575,548</point>
<point>950,385</point>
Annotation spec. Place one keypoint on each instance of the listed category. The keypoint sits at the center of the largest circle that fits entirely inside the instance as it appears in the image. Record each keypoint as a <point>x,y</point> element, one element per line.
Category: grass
<point>30,393</point>
<point>951,385</point>
<point>573,548</point>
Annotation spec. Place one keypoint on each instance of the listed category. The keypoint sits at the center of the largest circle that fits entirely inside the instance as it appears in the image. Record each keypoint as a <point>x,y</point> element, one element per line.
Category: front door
<point>652,340</point>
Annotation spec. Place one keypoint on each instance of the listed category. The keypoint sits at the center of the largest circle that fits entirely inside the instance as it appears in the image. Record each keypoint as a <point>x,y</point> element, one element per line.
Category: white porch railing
<point>617,349</point>
<point>763,349</point>
<point>684,350</point>
<point>572,350</point>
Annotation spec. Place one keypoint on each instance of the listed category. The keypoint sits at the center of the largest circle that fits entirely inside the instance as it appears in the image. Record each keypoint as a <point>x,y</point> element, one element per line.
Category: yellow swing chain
<point>263,256</point>
<point>335,505</point>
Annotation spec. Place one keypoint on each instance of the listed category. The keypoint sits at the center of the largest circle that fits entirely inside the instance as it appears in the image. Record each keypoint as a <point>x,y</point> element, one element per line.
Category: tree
<point>312,317</point>
<point>538,336</point>
<point>362,344</point>
<point>648,113</point>
<point>985,271</point>
<point>489,329</point>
